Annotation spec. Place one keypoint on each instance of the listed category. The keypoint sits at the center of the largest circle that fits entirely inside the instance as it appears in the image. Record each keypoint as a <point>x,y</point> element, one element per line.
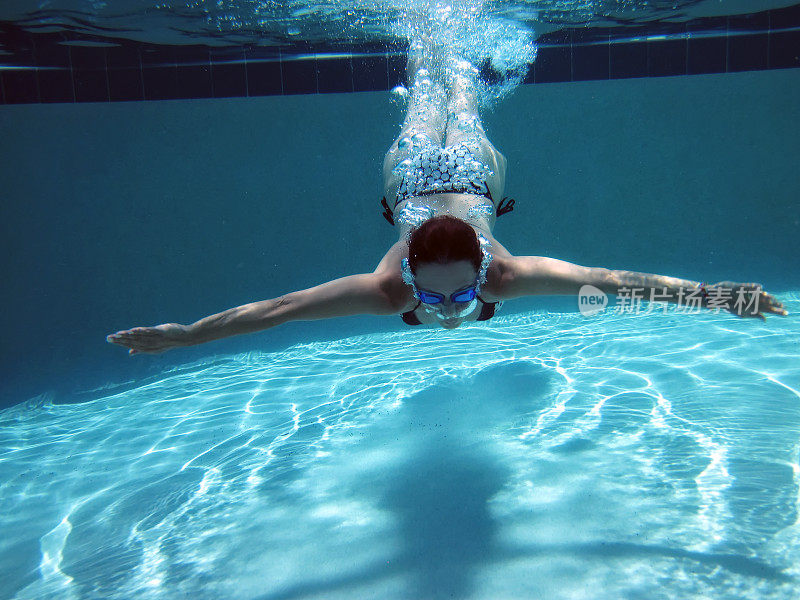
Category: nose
<point>452,310</point>
<point>449,308</point>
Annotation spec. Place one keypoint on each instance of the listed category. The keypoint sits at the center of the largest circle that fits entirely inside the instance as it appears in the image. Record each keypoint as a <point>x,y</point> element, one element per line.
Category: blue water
<point>539,456</point>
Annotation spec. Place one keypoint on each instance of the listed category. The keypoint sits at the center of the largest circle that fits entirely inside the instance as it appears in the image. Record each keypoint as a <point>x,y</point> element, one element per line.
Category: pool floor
<point>538,456</point>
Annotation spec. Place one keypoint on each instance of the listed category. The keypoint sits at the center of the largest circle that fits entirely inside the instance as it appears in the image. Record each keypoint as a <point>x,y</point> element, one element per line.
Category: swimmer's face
<point>446,279</point>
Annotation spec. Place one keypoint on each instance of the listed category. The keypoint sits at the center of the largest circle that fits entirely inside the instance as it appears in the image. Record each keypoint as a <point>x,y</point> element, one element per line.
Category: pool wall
<point>123,214</point>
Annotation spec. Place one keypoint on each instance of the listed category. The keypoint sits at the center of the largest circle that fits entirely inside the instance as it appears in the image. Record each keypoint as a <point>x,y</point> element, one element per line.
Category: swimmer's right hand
<point>151,340</point>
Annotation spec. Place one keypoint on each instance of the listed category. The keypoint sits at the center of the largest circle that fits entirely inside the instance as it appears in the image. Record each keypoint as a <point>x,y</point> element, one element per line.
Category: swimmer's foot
<point>414,63</point>
<point>425,53</point>
<point>418,54</point>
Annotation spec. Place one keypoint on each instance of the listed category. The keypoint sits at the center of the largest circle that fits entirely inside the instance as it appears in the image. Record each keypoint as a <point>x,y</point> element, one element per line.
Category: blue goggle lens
<point>430,298</point>
<point>467,295</point>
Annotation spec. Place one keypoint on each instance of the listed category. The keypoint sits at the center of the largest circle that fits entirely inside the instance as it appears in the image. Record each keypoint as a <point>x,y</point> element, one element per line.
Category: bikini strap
<point>387,212</point>
<point>506,206</point>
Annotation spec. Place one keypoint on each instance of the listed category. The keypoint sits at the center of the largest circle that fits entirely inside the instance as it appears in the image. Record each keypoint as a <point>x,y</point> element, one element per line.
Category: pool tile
<point>707,55</point>
<point>784,50</point>
<point>591,62</point>
<point>158,56</point>
<point>194,81</point>
<point>299,76</point>
<point>194,56</point>
<point>783,18</point>
<point>748,52</point>
<point>708,25</point>
<point>52,55</point>
<point>752,23</point>
<point>55,84</point>
<point>91,85</point>
<point>553,64</point>
<point>263,68</point>
<point>672,30</point>
<point>225,54</point>
<point>396,69</point>
<point>264,79</point>
<point>628,59</point>
<point>121,57</point>
<point>125,84</point>
<point>590,36</point>
<point>228,72</point>
<point>370,73</point>
<point>22,46</point>
<point>666,58</point>
<point>530,76</point>
<point>83,73</point>
<point>160,83</point>
<point>20,86</point>
<point>229,80</point>
<point>261,53</point>
<point>334,75</point>
<point>83,57</point>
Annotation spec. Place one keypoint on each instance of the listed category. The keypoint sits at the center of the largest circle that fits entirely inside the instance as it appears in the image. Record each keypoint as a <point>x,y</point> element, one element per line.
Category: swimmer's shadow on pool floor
<point>439,496</point>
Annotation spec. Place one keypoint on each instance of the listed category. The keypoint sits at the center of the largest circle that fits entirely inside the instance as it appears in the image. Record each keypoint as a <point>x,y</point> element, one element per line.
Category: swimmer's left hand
<point>755,302</point>
<point>151,340</point>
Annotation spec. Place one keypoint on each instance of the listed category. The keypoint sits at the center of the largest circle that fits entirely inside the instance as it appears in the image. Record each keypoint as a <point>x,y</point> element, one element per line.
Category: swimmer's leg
<point>464,123</point>
<point>463,116</point>
<point>427,110</point>
<point>425,119</point>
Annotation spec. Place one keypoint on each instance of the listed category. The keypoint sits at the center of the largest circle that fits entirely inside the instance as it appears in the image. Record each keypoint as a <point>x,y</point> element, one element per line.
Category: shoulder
<point>389,278</point>
<point>500,276</point>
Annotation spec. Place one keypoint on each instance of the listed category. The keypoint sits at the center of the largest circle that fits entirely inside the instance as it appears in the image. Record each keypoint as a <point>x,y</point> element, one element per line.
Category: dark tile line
<point>38,87</point>
<point>727,46</point>
<point>83,74</point>
<point>71,74</point>
<point>280,69</point>
<point>769,36</point>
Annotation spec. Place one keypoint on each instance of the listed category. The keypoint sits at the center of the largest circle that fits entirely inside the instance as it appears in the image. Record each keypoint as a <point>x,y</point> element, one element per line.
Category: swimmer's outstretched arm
<point>538,275</point>
<point>367,293</point>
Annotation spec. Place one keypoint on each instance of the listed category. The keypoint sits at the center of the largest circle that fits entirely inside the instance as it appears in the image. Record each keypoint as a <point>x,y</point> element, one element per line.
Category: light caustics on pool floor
<point>552,456</point>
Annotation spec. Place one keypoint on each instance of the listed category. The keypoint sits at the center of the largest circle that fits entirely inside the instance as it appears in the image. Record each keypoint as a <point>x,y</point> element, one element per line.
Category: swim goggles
<point>435,302</point>
<point>467,295</point>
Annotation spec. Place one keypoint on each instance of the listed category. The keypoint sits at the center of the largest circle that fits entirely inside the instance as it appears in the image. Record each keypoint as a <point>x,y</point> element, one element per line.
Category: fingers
<point>764,304</point>
<point>139,340</point>
<point>772,305</point>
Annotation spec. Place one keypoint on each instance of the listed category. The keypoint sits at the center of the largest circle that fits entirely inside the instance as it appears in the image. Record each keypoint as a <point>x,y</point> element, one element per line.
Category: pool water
<point>541,455</point>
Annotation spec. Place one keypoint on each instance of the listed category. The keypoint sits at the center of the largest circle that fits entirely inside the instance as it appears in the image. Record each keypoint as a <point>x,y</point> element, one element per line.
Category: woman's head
<point>443,240</point>
<point>444,260</point>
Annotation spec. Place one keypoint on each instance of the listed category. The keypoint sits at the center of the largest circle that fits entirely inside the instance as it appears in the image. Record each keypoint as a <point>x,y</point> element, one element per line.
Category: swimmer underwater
<point>443,180</point>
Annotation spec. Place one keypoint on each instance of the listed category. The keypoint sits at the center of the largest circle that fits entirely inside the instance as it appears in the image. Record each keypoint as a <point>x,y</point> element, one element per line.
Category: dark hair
<point>443,239</point>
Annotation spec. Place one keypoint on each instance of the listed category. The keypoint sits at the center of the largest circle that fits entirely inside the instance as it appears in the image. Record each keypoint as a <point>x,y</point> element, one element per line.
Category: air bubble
<point>400,91</point>
<point>420,140</point>
<point>402,168</point>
